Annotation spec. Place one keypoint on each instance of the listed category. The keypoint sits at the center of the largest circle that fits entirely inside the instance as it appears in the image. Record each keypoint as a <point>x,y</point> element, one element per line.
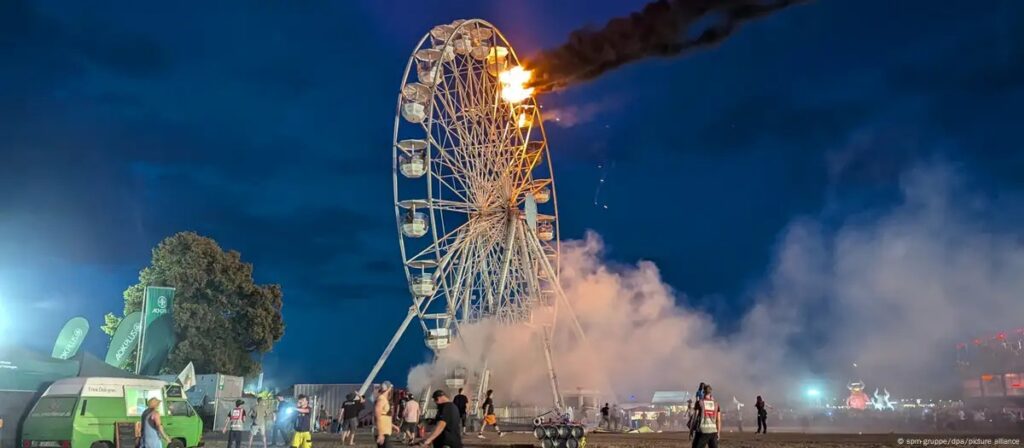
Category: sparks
<point>513,84</point>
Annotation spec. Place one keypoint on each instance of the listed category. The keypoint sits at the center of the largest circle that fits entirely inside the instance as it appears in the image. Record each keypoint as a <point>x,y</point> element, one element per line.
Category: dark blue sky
<point>267,126</point>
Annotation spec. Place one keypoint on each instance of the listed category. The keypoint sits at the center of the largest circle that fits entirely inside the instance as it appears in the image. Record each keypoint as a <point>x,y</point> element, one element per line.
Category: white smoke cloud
<point>573,115</point>
<point>885,289</point>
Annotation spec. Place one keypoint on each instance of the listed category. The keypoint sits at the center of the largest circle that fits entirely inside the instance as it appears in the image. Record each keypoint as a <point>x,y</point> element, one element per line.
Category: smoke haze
<point>662,28</point>
<point>887,290</point>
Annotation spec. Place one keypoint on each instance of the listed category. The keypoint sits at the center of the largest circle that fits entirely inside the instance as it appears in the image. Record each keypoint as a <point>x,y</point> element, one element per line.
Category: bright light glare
<point>813,392</point>
<point>513,84</point>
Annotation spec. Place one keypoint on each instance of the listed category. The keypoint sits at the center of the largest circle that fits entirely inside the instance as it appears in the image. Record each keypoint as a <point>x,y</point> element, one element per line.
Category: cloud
<point>573,115</point>
<point>876,154</point>
<point>887,291</point>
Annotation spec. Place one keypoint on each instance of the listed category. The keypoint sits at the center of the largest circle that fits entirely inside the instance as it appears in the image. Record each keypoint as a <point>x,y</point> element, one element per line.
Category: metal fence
<point>328,396</point>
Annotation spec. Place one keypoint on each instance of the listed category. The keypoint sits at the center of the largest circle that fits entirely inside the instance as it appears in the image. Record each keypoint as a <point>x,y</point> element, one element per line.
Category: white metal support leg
<point>413,311</point>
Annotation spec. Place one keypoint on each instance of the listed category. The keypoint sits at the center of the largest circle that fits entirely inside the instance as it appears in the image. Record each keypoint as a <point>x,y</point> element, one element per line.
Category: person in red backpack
<point>708,420</point>
<point>234,426</point>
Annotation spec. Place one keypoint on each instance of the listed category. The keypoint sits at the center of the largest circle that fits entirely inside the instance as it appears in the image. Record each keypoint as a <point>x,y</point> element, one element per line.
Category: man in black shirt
<point>281,420</point>
<point>447,424</point>
<point>461,403</point>
<point>303,437</point>
<point>350,411</point>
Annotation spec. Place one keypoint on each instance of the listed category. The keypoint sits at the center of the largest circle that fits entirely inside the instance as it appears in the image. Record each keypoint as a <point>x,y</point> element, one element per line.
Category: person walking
<point>489,417</point>
<point>762,415</point>
<point>260,415</point>
<point>692,424</point>
<point>461,403</point>
<point>709,420</point>
<point>605,421</point>
<point>410,419</point>
<point>153,434</point>
<point>280,422</point>
<point>739,413</point>
<point>383,424</point>
<point>234,425</point>
<point>350,410</point>
<point>323,419</point>
<point>447,431</point>
<point>303,437</point>
<point>616,417</point>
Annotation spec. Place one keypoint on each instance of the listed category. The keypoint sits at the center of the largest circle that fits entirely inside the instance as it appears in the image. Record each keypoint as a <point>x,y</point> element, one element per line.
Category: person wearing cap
<point>447,431</point>
<point>383,425</point>
<point>410,418</point>
<point>350,410</point>
<point>234,425</point>
<point>153,434</point>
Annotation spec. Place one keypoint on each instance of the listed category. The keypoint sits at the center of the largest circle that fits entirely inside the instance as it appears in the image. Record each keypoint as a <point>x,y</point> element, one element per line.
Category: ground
<point>677,439</point>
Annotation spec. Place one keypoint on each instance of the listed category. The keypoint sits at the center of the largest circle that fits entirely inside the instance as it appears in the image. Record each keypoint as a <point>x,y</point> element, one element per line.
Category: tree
<point>222,319</point>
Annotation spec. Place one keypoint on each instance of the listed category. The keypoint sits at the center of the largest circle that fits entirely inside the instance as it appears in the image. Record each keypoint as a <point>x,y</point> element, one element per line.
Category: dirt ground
<point>675,439</point>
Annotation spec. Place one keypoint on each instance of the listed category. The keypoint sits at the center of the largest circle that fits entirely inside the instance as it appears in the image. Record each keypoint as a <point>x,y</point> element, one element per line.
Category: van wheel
<point>176,443</point>
<point>101,445</point>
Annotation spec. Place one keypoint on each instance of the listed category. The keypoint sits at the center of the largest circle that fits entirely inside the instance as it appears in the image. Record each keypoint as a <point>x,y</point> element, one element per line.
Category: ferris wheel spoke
<point>447,159</point>
<point>462,282</point>
<point>430,252</point>
<point>454,134</point>
<point>454,206</point>
<point>444,180</point>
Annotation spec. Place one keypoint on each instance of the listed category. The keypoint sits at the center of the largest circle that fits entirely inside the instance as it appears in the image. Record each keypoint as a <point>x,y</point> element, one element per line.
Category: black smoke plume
<point>663,28</point>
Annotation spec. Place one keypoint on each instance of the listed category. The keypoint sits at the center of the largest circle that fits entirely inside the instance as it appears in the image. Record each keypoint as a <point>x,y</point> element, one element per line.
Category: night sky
<point>267,126</point>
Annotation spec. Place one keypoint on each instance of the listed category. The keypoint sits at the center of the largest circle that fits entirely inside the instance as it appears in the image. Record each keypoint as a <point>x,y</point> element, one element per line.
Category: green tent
<point>28,371</point>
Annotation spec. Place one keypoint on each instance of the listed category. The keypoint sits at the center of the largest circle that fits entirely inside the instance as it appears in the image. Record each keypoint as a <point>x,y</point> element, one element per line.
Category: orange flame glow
<point>513,84</point>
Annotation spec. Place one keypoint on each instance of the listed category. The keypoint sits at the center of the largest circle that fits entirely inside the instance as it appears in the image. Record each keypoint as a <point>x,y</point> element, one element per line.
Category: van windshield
<point>55,407</point>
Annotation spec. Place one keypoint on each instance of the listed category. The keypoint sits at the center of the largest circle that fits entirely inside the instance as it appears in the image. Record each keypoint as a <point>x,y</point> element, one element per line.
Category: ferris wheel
<point>474,192</point>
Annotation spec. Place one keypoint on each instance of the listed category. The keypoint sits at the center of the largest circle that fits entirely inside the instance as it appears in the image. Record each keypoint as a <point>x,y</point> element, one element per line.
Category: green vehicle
<point>82,412</point>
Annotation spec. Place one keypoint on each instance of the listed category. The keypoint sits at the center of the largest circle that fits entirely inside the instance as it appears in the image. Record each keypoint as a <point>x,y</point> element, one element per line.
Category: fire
<point>513,84</point>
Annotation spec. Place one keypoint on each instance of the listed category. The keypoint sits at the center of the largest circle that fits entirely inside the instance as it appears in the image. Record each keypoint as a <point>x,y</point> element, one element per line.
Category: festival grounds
<point>729,440</point>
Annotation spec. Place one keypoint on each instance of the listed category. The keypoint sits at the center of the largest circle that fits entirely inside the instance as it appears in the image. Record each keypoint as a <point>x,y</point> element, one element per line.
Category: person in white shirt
<point>410,419</point>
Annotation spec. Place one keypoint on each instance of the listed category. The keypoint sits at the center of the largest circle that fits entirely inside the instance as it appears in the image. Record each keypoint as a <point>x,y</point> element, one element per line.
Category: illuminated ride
<point>474,193</point>
<point>882,402</point>
<point>858,399</point>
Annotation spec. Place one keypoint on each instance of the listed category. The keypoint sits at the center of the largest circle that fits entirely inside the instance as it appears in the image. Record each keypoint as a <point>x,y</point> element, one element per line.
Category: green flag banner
<point>125,341</point>
<point>157,330</point>
<point>70,338</point>
<point>158,302</point>
<point>159,339</point>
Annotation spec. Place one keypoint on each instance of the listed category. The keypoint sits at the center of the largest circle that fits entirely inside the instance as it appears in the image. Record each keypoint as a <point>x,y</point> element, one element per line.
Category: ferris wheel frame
<point>513,201</point>
<point>463,310</point>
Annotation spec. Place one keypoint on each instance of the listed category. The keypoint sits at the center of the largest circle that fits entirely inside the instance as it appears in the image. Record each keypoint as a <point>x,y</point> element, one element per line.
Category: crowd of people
<point>392,423</point>
<point>398,418</point>
<point>701,418</point>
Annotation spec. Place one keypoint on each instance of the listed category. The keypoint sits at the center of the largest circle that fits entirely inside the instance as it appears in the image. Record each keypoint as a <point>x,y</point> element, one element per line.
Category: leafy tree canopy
<point>222,318</point>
